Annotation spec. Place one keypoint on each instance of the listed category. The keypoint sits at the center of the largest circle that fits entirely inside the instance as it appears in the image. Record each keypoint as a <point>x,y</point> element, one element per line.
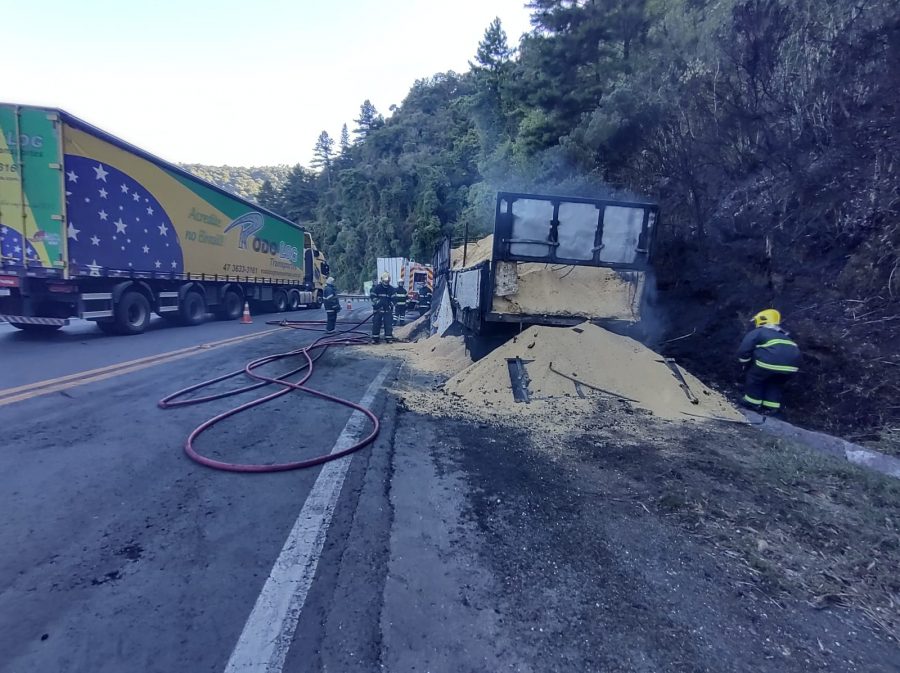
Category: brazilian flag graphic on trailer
<point>32,228</point>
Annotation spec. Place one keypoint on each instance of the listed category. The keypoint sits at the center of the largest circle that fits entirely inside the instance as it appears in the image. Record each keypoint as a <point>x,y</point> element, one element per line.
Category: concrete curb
<point>827,444</point>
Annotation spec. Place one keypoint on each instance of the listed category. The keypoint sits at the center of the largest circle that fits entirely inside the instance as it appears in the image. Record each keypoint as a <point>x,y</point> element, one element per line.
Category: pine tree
<point>368,121</point>
<point>343,160</point>
<point>323,154</point>
<point>267,197</point>
<point>491,72</point>
<point>493,51</point>
<point>299,196</point>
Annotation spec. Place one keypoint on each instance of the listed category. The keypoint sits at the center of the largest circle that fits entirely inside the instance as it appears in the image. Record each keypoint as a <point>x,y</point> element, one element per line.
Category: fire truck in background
<point>417,279</point>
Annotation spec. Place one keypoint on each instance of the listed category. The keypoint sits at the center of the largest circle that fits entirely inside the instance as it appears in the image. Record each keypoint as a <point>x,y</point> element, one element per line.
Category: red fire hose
<point>310,353</point>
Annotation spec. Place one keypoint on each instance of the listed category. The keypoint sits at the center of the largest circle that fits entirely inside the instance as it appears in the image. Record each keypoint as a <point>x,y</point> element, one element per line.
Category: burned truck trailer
<point>558,261</point>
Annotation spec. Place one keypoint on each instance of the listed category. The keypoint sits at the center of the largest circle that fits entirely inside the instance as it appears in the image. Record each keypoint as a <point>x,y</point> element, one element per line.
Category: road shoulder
<point>628,545</point>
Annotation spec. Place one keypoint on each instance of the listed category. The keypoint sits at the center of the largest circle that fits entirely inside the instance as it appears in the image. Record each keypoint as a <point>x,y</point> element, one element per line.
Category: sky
<point>245,83</point>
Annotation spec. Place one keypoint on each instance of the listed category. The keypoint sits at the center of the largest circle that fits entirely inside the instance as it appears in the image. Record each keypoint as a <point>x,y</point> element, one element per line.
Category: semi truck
<point>553,260</point>
<point>93,227</point>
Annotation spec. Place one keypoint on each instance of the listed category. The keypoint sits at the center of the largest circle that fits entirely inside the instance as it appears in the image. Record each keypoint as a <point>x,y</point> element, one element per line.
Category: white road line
<point>267,635</point>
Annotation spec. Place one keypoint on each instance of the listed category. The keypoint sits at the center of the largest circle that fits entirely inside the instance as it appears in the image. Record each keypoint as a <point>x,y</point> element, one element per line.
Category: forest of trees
<point>245,182</point>
<point>765,129</point>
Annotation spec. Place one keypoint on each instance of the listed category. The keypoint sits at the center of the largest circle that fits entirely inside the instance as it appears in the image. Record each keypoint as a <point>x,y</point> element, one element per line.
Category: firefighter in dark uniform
<point>400,303</point>
<point>382,296</point>
<point>332,305</point>
<point>424,299</point>
<point>770,357</point>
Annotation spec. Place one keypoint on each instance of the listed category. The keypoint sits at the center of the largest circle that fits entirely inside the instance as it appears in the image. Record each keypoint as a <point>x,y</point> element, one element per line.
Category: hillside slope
<point>243,181</point>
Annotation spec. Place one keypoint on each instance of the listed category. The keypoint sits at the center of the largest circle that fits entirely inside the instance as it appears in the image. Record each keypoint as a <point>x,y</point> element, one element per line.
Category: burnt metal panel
<point>555,240</point>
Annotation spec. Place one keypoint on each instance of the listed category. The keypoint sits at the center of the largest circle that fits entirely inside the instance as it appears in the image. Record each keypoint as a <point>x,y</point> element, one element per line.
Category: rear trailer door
<point>571,230</point>
<point>392,266</point>
<point>33,232</point>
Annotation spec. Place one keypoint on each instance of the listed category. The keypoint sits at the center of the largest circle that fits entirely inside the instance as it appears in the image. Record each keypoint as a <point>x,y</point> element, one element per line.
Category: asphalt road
<point>445,546</point>
<point>116,551</point>
<point>80,346</point>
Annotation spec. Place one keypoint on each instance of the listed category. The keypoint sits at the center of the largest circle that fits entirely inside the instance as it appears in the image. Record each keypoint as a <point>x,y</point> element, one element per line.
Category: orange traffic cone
<point>246,319</point>
<point>349,305</point>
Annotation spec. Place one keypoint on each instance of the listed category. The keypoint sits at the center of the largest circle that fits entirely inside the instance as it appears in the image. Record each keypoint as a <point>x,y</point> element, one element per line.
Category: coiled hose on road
<point>310,353</point>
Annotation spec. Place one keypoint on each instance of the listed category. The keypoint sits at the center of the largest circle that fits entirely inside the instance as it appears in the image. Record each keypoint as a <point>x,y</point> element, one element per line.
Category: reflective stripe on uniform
<point>771,405</point>
<point>776,342</point>
<point>752,400</point>
<point>788,369</point>
<point>744,360</point>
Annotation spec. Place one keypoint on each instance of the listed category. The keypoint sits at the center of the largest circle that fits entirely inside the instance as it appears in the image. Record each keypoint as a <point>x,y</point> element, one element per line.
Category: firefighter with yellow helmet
<point>770,357</point>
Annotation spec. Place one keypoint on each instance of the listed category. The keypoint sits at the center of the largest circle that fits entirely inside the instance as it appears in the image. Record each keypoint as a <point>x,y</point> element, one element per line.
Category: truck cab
<point>317,269</point>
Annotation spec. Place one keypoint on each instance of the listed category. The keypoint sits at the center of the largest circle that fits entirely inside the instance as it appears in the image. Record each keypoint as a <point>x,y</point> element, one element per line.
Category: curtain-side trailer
<point>95,228</point>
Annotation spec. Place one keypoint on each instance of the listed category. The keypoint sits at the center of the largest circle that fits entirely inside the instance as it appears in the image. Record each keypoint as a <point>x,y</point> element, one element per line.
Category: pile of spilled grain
<point>476,252</point>
<point>412,330</point>
<point>435,355</point>
<point>599,359</point>
<point>585,291</point>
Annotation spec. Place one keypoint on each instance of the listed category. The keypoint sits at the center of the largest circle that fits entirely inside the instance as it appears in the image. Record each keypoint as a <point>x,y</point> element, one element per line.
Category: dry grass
<point>794,523</point>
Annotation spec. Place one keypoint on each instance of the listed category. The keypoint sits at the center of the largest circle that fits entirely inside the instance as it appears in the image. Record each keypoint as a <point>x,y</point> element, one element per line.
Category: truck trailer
<point>553,260</point>
<point>93,227</point>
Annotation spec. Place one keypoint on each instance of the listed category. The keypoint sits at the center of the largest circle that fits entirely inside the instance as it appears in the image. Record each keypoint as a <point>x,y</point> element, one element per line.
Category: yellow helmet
<point>768,317</point>
<point>385,277</point>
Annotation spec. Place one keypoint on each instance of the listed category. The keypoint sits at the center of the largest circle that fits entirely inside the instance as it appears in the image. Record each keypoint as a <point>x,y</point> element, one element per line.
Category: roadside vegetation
<point>245,182</point>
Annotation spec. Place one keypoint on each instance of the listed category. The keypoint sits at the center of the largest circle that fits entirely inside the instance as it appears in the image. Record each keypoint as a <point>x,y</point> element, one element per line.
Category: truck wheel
<point>132,313</point>
<point>192,309</point>
<point>280,301</point>
<point>293,300</point>
<point>318,302</point>
<point>231,307</point>
<point>35,329</point>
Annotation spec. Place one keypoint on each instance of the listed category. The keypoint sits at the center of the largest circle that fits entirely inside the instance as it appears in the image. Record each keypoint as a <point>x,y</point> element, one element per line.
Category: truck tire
<point>280,301</point>
<point>232,306</point>
<point>293,300</point>
<point>132,313</point>
<point>318,302</point>
<point>35,329</point>
<point>192,309</point>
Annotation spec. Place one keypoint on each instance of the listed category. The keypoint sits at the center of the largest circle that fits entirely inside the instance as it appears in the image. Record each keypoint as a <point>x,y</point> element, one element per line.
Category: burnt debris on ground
<point>789,527</point>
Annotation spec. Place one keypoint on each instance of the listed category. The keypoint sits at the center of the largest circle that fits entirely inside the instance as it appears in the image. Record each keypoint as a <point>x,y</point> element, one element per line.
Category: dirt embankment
<point>850,379</point>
